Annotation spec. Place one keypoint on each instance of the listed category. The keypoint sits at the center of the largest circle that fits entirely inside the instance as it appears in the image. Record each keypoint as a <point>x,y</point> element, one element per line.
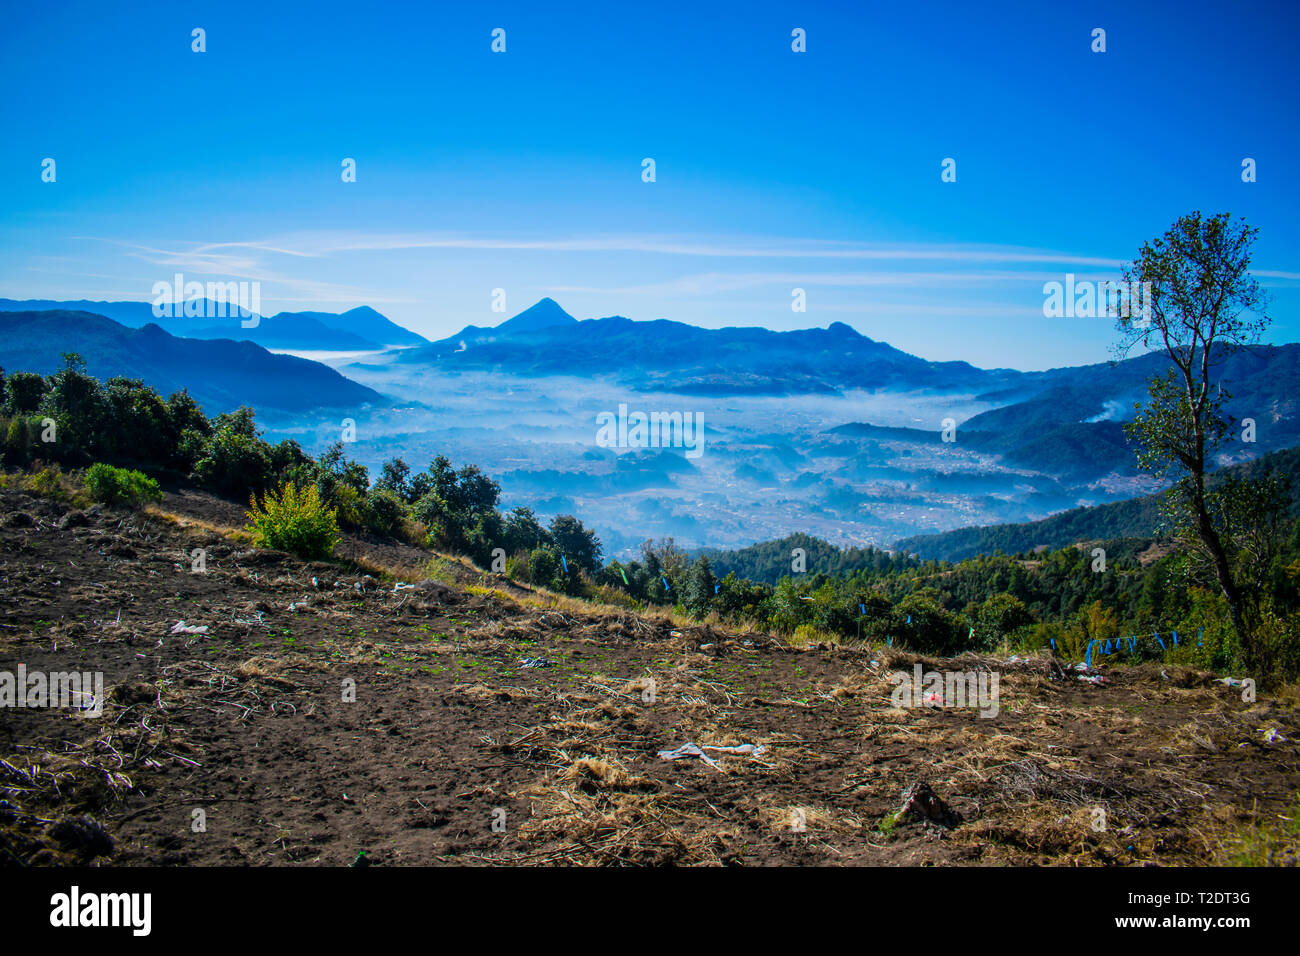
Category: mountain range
<point>220,374</point>
<point>1027,444</point>
<point>1065,420</point>
<point>359,329</point>
<point>662,355</point>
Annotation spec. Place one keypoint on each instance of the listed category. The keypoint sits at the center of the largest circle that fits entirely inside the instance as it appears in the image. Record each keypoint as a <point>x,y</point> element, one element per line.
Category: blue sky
<point>522,170</point>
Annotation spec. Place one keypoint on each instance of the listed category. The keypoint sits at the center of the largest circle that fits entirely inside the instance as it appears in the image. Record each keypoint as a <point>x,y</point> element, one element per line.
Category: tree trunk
<point>1223,574</point>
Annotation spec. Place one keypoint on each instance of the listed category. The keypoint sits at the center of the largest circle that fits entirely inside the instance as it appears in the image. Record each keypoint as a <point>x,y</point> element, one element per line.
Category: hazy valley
<point>793,436</point>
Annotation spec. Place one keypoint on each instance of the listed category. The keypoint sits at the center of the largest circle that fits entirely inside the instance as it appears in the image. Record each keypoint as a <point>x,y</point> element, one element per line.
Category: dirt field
<point>248,723</point>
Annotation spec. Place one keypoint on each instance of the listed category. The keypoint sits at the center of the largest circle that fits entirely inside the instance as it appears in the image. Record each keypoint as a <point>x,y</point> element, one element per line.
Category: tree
<point>23,393</point>
<point>76,401</point>
<point>395,477</point>
<point>697,589</point>
<point>476,493</point>
<point>235,460</point>
<point>138,424</point>
<point>335,465</point>
<point>926,627</point>
<point>523,532</point>
<point>544,569</point>
<point>998,616</point>
<point>666,557</point>
<point>1201,304</point>
<point>580,547</point>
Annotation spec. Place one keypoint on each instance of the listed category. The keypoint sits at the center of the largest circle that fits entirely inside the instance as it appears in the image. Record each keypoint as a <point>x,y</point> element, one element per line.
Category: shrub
<point>617,597</point>
<point>23,392</point>
<point>517,567</point>
<point>386,512</point>
<point>21,440</point>
<point>928,628</point>
<point>235,460</point>
<point>544,569</point>
<point>294,521</point>
<point>431,511</point>
<point>349,505</point>
<point>49,482</point>
<point>120,486</point>
<point>806,634</point>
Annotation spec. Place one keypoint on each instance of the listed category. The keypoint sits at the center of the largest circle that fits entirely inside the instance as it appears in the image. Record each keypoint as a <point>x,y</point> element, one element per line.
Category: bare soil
<point>453,752</point>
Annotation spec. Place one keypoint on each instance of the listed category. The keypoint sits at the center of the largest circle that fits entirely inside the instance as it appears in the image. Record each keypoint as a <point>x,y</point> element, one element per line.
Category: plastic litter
<point>752,750</point>
<point>687,750</point>
<point>180,627</point>
<point>535,662</point>
<point>1232,681</point>
<point>1098,679</point>
<point>694,750</point>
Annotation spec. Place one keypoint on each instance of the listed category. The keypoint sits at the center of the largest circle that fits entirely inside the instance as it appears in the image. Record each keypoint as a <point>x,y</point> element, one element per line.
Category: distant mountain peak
<point>361,328</point>
<point>220,373</point>
<point>544,314</point>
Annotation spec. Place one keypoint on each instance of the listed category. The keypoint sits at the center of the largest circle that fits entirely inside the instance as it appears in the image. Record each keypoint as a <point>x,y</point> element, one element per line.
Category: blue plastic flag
<point>1053,640</point>
<point>890,640</point>
<point>1200,638</point>
<point>565,563</point>
<point>715,588</point>
<point>665,580</point>
<point>862,609</point>
<point>1175,638</point>
<point>1087,660</point>
<point>1162,643</point>
<point>909,619</point>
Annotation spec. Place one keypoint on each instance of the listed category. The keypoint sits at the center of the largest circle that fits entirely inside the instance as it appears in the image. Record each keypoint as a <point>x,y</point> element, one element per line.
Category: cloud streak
<point>329,243</point>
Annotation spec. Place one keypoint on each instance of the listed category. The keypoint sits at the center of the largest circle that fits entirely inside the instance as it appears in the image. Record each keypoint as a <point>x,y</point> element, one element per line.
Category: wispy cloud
<point>201,260</point>
<point>272,260</point>
<point>328,243</point>
<point>285,262</point>
<point>711,283</point>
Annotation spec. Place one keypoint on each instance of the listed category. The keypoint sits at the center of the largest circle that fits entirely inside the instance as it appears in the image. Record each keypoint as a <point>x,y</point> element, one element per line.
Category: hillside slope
<point>359,329</point>
<point>1136,518</point>
<point>219,373</point>
<point>253,720</point>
